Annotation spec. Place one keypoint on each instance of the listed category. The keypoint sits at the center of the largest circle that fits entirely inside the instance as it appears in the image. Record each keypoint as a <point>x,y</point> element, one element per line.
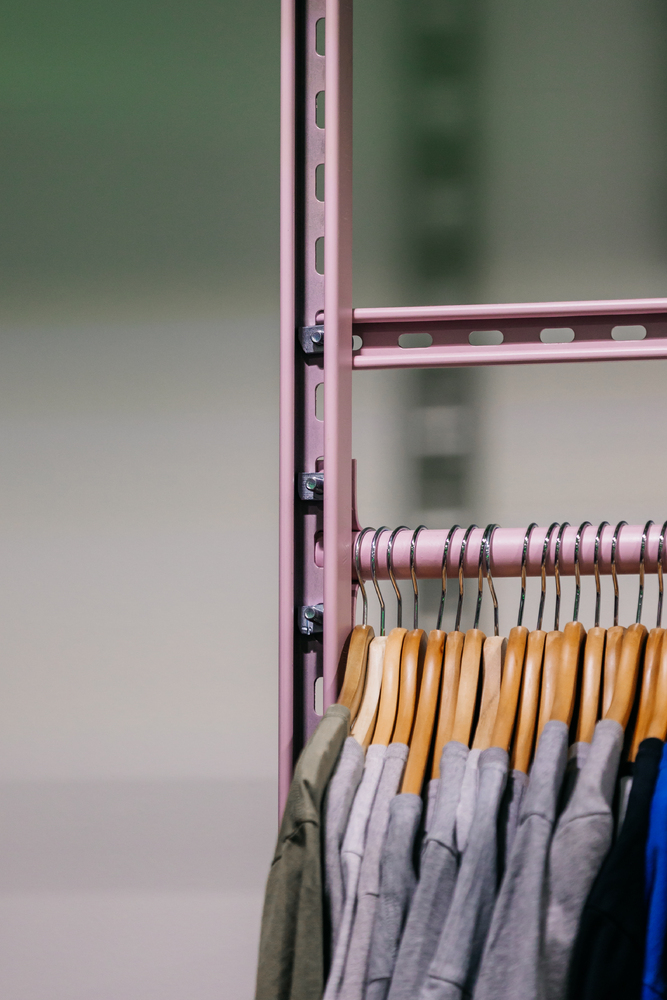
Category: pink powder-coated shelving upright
<point>316,533</point>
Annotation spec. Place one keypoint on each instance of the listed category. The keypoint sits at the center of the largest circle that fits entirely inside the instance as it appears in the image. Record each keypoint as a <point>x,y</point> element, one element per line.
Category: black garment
<point>608,957</point>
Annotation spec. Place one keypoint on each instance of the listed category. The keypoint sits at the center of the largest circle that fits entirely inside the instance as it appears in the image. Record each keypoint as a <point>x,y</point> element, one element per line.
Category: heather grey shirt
<point>577,756</point>
<point>352,852</point>
<point>340,794</point>
<point>510,965</point>
<point>356,965</point>
<point>582,838</point>
<point>397,884</point>
<point>508,820</point>
<point>454,968</point>
<point>439,867</point>
<point>431,796</point>
<point>467,800</point>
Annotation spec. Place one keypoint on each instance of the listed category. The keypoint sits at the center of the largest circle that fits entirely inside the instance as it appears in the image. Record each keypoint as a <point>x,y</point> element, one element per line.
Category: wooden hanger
<point>468,681</point>
<point>354,678</point>
<point>590,687</point>
<point>632,650</point>
<point>451,673</point>
<point>511,685</point>
<point>420,744</point>
<point>364,726</point>
<point>412,665</point>
<point>647,698</point>
<point>493,658</point>
<point>552,645</point>
<point>657,728</point>
<point>612,656</point>
<point>574,635</point>
<point>391,675</point>
<point>522,752</point>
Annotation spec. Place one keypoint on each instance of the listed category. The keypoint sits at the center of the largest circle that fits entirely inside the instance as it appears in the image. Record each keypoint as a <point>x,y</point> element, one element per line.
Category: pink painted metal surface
<point>287,403</point>
<point>521,325</point>
<point>507,549</point>
<point>337,339</point>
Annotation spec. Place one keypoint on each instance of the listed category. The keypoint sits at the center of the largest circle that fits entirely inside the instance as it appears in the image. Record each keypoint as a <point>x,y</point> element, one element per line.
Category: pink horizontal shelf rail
<point>507,550</point>
<point>520,324</point>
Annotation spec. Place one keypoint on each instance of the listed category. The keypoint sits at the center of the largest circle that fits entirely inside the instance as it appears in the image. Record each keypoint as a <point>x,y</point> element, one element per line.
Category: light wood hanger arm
<point>420,744</point>
<point>522,750</point>
<point>509,692</point>
<point>552,654</point>
<point>412,665</point>
<point>625,687</point>
<point>448,696</point>
<point>592,679</point>
<point>493,658</point>
<point>574,635</point>
<point>612,656</point>
<point>354,678</point>
<point>391,676</point>
<point>362,730</point>
<point>657,728</point>
<point>647,699</point>
<point>468,681</point>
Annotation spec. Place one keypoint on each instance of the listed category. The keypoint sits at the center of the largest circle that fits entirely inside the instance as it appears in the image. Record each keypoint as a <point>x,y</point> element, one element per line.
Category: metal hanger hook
<point>642,556</point>
<point>614,542</point>
<point>459,607</point>
<point>524,557</point>
<point>577,569</point>
<point>486,548</point>
<point>390,569</point>
<point>374,545</point>
<point>357,565</point>
<point>413,573</point>
<point>559,539</point>
<point>445,555</point>
<point>598,591</point>
<point>543,572</point>
<point>661,545</point>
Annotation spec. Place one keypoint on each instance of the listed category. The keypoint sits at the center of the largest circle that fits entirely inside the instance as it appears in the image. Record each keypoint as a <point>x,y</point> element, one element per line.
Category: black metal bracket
<point>312,339</point>
<point>311,486</point>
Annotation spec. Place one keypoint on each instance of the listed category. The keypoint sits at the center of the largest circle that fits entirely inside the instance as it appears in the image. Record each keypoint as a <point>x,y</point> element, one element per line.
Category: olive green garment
<point>291,947</point>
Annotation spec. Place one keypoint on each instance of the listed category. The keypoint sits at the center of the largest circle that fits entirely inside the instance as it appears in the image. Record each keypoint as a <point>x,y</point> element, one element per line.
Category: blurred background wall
<point>503,151</point>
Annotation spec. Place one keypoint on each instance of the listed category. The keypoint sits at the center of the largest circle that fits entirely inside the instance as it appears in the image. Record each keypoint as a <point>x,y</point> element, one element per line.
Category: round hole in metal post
<point>357,342</point>
<point>628,333</point>
<point>485,338</point>
<point>409,341</point>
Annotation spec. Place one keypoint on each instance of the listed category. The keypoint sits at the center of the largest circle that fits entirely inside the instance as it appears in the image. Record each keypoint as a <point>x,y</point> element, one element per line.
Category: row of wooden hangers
<point>407,687</point>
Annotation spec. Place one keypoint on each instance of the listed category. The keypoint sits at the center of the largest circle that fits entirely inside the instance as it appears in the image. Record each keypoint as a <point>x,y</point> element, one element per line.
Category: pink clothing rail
<point>524,333</point>
<point>507,550</point>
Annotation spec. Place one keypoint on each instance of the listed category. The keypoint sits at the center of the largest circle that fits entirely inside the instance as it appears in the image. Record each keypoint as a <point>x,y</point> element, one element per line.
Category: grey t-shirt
<point>453,971</point>
<point>356,965</point>
<point>340,794</point>
<point>581,840</point>
<point>397,884</point>
<point>352,852</point>
<point>467,800</point>
<point>431,796</point>
<point>577,756</point>
<point>439,867</point>
<point>511,958</point>
<point>508,820</point>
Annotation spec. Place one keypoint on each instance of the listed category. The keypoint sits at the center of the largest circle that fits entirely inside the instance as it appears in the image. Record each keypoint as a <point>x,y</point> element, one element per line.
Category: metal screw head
<point>311,484</point>
<point>316,336</point>
<point>310,614</point>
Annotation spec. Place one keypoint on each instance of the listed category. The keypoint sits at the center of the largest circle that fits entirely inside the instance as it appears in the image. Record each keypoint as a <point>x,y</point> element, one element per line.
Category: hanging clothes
<point>654,986</point>
<point>291,950</point>
<point>397,884</point>
<point>338,802</point>
<point>439,868</point>
<point>510,963</point>
<point>608,955</point>
<point>453,971</point>
<point>581,840</point>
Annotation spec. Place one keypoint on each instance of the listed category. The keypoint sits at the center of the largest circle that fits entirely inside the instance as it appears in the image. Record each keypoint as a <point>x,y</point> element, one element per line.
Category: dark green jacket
<point>291,949</point>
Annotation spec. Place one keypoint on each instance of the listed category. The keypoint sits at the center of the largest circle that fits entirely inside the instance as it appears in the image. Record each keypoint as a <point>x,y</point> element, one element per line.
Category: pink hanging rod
<point>507,550</point>
<point>523,333</point>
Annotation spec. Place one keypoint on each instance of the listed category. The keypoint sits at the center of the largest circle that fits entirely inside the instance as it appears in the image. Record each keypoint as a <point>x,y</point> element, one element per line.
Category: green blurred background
<point>503,151</point>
